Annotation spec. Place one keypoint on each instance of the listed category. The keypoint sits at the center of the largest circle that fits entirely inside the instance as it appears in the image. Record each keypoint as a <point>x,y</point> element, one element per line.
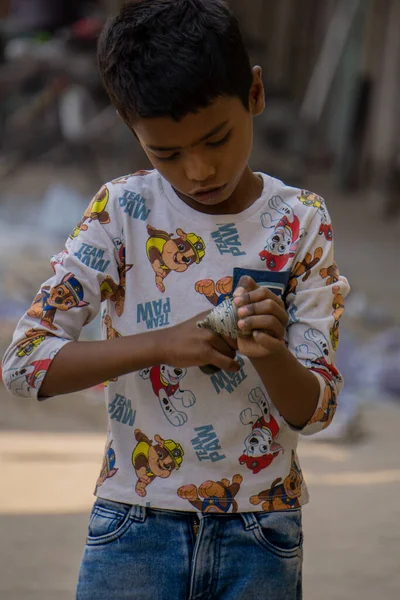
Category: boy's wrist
<point>156,348</point>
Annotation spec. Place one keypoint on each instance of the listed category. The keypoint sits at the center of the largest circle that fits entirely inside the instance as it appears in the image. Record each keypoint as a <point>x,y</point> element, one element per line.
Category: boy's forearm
<point>81,365</point>
<point>292,387</point>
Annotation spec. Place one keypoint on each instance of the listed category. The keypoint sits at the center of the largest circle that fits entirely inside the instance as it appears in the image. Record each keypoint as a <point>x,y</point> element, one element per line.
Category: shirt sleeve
<point>66,302</point>
<point>315,304</point>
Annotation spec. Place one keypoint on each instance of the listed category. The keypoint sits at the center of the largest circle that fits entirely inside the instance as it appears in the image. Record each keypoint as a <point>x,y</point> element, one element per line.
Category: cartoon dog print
<point>216,293</point>
<point>325,412</point>
<point>165,381</point>
<point>331,274</point>
<point>96,211</point>
<point>303,270</point>
<point>167,253</point>
<point>66,295</point>
<point>22,380</point>
<point>213,496</point>
<point>260,448</point>
<point>338,310</point>
<point>285,234</point>
<point>282,495</point>
<point>152,461</point>
<point>111,334</point>
<point>33,339</point>
<point>311,199</point>
<point>108,467</point>
<point>316,355</point>
<point>115,292</point>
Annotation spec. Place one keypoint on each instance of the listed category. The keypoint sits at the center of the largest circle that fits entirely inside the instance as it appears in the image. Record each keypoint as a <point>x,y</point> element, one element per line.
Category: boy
<point>200,491</point>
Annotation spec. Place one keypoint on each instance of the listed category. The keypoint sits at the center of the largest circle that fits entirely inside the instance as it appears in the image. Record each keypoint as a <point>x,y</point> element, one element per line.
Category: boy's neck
<point>248,190</point>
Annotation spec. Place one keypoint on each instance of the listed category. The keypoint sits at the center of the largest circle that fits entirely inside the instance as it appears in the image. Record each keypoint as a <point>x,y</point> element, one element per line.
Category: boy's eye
<point>174,156</point>
<point>219,142</point>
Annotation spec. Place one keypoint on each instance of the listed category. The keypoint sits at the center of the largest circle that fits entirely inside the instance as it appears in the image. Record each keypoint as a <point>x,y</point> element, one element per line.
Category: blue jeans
<point>138,553</point>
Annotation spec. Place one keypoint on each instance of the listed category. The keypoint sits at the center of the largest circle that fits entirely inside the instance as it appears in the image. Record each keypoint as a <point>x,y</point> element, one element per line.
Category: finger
<point>267,341</point>
<point>224,362</point>
<point>246,283</point>
<point>262,322</point>
<point>265,307</point>
<point>257,295</point>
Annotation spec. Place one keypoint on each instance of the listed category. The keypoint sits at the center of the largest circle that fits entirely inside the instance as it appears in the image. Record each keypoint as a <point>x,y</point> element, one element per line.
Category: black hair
<point>162,58</point>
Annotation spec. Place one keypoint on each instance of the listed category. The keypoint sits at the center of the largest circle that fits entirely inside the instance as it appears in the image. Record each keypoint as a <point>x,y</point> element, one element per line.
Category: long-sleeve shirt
<point>180,438</point>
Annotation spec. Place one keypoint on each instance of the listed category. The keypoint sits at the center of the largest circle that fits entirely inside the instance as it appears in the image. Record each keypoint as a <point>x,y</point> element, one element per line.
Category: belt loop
<point>138,513</point>
<point>249,520</point>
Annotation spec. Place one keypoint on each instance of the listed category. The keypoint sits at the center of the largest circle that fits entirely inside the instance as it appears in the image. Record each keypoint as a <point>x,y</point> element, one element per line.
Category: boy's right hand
<point>186,345</point>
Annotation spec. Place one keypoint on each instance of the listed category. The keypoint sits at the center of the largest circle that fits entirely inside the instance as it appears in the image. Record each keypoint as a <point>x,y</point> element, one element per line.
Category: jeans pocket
<point>108,522</point>
<point>280,532</point>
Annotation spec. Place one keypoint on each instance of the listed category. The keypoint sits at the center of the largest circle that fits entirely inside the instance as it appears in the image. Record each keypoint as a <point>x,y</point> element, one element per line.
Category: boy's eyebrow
<point>214,131</point>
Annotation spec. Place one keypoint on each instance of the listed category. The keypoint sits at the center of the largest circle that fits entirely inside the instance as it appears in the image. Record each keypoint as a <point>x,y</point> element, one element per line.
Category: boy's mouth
<point>209,193</point>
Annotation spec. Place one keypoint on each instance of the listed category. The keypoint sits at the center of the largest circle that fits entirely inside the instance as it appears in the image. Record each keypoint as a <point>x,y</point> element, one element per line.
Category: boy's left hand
<point>262,319</point>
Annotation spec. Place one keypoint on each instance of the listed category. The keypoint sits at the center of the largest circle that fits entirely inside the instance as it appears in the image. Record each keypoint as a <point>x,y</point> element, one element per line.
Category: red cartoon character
<point>285,234</point>
<point>165,381</point>
<point>260,445</point>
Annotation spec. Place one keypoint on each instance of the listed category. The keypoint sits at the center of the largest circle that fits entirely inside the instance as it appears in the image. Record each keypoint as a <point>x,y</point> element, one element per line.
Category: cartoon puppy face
<point>292,483</point>
<point>258,443</point>
<point>68,294</point>
<point>178,255</point>
<point>280,241</point>
<point>160,462</point>
<point>172,374</point>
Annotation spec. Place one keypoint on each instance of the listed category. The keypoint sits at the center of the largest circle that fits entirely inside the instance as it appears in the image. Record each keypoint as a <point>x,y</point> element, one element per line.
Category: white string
<point>222,319</point>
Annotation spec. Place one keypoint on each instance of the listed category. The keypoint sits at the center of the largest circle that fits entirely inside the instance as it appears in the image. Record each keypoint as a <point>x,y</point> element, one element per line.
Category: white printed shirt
<point>178,438</point>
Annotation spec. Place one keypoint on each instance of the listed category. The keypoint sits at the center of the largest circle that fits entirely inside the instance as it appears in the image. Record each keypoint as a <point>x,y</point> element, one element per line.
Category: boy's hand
<point>262,319</point>
<point>186,345</point>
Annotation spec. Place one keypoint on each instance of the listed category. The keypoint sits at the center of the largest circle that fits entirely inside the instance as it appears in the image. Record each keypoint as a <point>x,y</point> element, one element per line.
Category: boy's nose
<point>198,170</point>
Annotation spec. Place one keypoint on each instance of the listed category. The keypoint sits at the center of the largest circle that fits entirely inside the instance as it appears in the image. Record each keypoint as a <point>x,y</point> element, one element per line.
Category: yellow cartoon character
<point>313,200</point>
<point>167,253</point>
<point>216,293</point>
<point>94,212</point>
<point>281,496</point>
<point>310,199</point>
<point>33,338</point>
<point>155,461</point>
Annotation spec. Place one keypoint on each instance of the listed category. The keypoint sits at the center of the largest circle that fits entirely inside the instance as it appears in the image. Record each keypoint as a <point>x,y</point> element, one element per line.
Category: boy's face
<point>205,155</point>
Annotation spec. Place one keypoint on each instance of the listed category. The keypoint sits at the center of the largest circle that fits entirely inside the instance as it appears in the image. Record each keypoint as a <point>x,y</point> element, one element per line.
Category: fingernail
<point>238,292</point>
<point>242,312</point>
<point>241,324</point>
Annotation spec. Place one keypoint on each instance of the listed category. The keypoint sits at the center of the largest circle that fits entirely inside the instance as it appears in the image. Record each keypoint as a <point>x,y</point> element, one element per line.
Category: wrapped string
<point>222,319</point>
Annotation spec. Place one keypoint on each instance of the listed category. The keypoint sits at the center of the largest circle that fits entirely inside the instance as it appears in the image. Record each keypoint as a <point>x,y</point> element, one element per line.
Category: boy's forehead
<point>165,132</point>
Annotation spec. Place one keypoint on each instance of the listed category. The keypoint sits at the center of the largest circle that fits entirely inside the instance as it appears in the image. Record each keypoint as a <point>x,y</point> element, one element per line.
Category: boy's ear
<point>257,94</point>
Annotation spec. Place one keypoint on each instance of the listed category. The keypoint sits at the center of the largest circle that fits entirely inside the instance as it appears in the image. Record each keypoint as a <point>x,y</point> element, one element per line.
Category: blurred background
<point>331,124</point>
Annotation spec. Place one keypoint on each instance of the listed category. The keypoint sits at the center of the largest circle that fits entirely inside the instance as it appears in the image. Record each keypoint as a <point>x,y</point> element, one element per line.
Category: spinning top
<point>222,319</point>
